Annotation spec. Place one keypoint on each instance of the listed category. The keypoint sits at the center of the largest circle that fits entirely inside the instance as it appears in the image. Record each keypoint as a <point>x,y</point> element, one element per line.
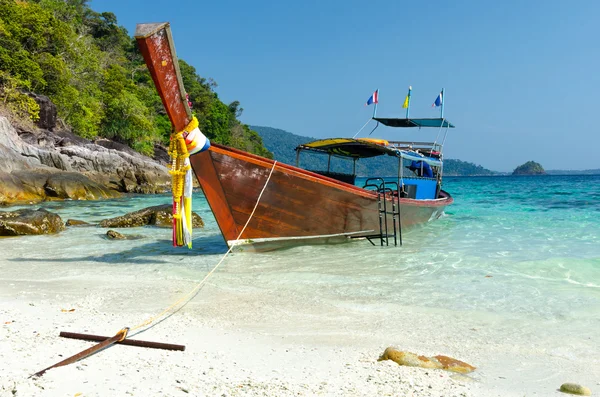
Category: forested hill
<point>464,168</point>
<point>91,69</point>
<point>282,143</point>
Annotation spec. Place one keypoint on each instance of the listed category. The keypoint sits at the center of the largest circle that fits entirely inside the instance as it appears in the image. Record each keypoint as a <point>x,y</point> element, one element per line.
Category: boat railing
<point>410,145</point>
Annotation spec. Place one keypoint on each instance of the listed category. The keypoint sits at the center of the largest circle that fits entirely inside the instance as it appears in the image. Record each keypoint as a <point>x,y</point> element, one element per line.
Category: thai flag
<point>438,101</point>
<point>374,98</point>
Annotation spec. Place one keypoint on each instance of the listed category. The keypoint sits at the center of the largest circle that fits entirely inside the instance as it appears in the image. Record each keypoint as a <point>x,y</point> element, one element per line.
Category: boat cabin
<point>418,174</point>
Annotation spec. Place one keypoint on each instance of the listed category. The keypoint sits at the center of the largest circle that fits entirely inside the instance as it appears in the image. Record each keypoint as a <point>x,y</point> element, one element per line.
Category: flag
<point>405,104</point>
<point>374,98</point>
<point>438,101</point>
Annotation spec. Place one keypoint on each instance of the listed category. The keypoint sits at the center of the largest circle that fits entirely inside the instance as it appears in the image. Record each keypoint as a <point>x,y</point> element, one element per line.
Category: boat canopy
<point>407,123</point>
<point>364,148</point>
<point>350,147</point>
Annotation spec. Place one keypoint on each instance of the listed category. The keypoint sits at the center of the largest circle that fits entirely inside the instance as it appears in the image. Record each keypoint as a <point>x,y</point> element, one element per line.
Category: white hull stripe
<point>269,239</point>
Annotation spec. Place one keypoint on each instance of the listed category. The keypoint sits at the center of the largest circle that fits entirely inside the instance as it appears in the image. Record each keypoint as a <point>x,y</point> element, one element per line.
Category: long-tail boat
<point>299,206</point>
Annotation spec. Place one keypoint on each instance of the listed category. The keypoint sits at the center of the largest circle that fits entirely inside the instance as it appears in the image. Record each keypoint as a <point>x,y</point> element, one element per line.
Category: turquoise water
<point>517,256</point>
<point>534,232</point>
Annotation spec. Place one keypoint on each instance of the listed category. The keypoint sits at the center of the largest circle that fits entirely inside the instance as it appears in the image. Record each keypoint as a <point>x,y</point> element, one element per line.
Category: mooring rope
<point>124,333</point>
<point>189,296</point>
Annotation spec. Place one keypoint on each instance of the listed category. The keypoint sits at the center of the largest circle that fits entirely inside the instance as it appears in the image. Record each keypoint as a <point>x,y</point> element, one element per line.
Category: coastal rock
<point>27,221</point>
<point>41,164</point>
<point>574,388</point>
<point>71,185</point>
<point>159,215</point>
<point>436,362</point>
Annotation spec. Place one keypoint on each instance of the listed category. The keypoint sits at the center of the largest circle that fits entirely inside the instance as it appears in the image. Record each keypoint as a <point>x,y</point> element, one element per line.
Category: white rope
<point>361,128</point>
<point>185,299</point>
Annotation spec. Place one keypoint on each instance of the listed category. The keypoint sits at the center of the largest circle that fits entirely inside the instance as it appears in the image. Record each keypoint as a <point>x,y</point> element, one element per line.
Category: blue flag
<point>438,101</point>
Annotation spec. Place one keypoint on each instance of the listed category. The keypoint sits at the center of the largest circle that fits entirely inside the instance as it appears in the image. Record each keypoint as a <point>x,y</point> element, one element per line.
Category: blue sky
<point>521,77</point>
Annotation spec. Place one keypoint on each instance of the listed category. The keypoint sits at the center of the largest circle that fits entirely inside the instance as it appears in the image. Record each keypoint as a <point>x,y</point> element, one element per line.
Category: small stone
<point>75,222</point>
<point>111,234</point>
<point>574,388</point>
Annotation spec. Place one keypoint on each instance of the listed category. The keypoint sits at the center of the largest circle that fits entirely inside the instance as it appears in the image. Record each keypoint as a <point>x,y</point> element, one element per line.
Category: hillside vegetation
<point>465,168</point>
<point>282,143</point>
<point>91,69</point>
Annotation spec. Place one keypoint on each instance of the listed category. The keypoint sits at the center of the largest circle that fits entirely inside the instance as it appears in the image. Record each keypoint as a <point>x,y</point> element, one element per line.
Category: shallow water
<point>519,255</point>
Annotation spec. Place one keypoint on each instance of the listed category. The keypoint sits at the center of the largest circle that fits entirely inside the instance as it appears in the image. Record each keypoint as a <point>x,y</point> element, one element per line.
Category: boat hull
<point>297,206</point>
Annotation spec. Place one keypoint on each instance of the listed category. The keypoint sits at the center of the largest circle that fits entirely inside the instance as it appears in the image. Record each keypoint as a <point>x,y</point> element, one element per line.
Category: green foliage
<point>464,168</point>
<point>529,168</point>
<point>91,70</point>
<point>19,103</point>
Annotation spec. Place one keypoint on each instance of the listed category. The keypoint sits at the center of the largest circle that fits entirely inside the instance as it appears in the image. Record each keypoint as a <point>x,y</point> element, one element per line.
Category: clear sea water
<point>518,256</point>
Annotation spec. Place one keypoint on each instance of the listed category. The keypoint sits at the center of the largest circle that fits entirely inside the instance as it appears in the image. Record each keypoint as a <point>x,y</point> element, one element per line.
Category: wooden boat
<point>299,206</point>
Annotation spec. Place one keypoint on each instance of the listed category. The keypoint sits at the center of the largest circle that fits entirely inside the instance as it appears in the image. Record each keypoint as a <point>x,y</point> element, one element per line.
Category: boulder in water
<point>159,215</point>
<point>111,234</point>
<point>27,221</point>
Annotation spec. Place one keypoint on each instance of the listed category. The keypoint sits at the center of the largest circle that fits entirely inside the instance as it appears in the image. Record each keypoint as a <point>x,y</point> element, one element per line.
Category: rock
<point>114,235</point>
<point>159,215</point>
<point>104,168</point>
<point>71,185</point>
<point>437,362</point>
<point>76,222</point>
<point>27,221</point>
<point>47,111</point>
<point>574,388</point>
<point>111,234</point>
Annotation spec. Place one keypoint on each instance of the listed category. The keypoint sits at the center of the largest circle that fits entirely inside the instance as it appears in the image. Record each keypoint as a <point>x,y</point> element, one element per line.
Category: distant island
<point>529,168</point>
<point>282,144</point>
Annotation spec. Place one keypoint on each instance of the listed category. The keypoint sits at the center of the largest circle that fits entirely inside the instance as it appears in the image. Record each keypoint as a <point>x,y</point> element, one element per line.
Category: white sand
<point>250,340</point>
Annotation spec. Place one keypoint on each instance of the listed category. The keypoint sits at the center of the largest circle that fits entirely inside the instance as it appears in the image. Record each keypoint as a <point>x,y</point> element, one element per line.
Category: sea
<point>518,257</point>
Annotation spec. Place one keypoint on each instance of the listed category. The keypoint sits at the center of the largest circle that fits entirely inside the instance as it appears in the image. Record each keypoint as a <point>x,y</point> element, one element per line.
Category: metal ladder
<point>385,189</point>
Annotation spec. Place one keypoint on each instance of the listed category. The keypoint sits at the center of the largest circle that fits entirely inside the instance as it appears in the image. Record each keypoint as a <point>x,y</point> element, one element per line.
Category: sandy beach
<point>246,336</point>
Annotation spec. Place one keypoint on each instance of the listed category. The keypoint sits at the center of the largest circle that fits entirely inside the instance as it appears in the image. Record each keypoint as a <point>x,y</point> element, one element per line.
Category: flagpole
<point>408,106</point>
<point>376,102</point>
<point>443,100</point>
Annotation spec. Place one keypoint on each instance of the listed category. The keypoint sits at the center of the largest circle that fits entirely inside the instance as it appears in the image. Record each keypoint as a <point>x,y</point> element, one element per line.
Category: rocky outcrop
<point>41,164</point>
<point>27,221</point>
<point>437,362</point>
<point>159,215</point>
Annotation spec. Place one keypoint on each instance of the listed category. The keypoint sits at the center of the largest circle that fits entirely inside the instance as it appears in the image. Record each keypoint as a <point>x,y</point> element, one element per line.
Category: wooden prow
<point>156,45</point>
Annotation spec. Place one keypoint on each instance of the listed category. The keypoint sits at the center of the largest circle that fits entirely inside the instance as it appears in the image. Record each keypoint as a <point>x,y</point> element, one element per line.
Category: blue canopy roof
<point>407,123</point>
